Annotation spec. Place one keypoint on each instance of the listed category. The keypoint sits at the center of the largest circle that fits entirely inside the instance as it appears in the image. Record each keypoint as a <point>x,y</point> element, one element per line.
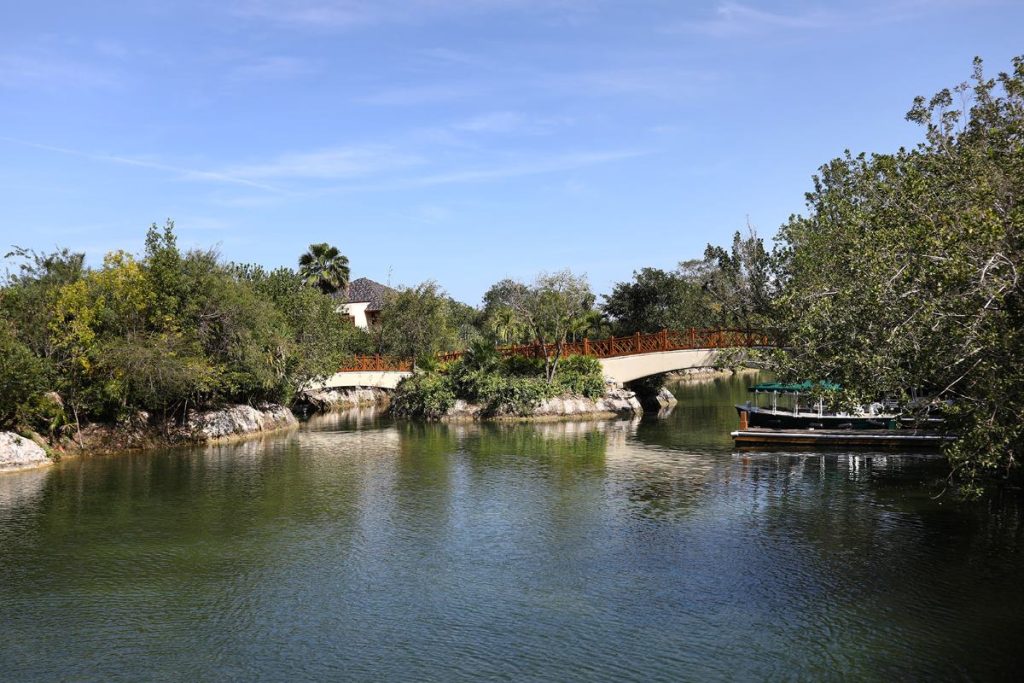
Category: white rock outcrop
<point>618,401</point>
<point>239,420</point>
<point>19,453</point>
<point>665,398</point>
<point>334,399</point>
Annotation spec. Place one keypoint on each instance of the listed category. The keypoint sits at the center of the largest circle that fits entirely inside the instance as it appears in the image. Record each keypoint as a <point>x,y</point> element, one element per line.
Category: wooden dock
<point>908,439</point>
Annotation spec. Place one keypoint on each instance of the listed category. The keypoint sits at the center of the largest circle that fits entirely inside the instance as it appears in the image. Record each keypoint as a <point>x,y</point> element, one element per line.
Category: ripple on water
<point>367,550</point>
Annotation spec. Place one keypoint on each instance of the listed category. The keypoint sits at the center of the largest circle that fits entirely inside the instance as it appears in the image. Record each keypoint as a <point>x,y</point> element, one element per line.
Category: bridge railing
<point>376,364</point>
<point>666,340</point>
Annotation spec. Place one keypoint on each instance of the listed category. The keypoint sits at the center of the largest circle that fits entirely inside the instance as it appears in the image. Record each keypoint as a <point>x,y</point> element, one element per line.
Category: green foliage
<point>501,387</point>
<point>424,394</point>
<point>904,276</point>
<point>417,322</point>
<point>325,268</point>
<point>517,395</point>
<point>724,289</point>
<point>321,339</point>
<point>548,311</point>
<point>581,375</point>
<point>656,300</point>
<point>157,371</point>
<point>22,377</point>
<point>163,332</point>
<point>522,366</point>
<point>736,283</point>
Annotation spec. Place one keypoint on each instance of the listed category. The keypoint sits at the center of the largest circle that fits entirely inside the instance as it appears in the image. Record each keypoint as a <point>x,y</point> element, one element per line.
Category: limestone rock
<point>19,453</point>
<point>618,401</point>
<point>665,398</point>
<point>622,401</point>
<point>324,400</point>
<point>463,411</point>
<point>239,420</point>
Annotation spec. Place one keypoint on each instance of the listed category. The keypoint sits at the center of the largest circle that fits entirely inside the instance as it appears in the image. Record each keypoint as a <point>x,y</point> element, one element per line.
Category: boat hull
<point>758,417</point>
<point>899,439</point>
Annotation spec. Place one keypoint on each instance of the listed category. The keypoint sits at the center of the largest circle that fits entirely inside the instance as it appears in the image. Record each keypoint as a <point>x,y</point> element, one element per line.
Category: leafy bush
<point>424,394</point>
<point>581,375</point>
<point>22,377</point>
<point>516,395</point>
<point>521,366</point>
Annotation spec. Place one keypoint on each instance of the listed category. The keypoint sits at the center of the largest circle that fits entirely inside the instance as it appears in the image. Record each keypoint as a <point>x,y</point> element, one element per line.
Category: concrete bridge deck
<point>623,359</point>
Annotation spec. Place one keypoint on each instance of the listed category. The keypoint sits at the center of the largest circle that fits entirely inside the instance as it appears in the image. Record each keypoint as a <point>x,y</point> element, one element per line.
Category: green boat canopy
<point>800,388</point>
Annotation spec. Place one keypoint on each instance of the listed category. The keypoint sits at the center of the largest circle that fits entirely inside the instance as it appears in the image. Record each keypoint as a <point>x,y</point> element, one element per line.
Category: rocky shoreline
<point>228,423</point>
<point>615,403</point>
<point>18,453</point>
<point>237,422</point>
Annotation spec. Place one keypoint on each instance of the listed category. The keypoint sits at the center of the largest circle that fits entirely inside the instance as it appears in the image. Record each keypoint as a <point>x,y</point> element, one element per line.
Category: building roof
<point>365,290</point>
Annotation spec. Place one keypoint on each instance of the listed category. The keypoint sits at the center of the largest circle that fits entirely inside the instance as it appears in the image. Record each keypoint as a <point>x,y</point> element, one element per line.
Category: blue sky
<point>459,140</point>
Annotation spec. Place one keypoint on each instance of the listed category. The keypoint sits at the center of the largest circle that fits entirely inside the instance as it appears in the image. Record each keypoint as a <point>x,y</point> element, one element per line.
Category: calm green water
<point>361,549</point>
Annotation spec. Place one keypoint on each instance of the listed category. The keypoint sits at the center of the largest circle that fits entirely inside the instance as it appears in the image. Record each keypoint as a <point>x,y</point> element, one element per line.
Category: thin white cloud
<point>654,82</point>
<point>509,122</point>
<point>502,170</point>
<point>50,72</point>
<point>273,68</point>
<point>527,167</point>
<point>327,164</point>
<point>346,14</point>
<point>412,95</point>
<point>493,122</point>
<point>182,173</point>
<point>317,13</point>
<point>733,18</point>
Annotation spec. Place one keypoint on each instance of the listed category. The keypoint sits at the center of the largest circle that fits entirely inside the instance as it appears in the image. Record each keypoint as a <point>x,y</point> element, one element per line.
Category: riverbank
<point>143,432</point>
<point>18,453</point>
<point>615,402</point>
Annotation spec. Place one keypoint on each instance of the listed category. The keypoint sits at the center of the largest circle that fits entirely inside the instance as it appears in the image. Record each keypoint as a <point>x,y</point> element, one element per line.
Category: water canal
<point>362,549</point>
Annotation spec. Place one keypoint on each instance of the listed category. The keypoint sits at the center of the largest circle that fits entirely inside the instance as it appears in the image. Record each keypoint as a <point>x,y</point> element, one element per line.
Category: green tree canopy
<point>905,273</point>
<point>325,268</point>
<point>655,300</point>
<point>550,309</point>
<point>418,322</point>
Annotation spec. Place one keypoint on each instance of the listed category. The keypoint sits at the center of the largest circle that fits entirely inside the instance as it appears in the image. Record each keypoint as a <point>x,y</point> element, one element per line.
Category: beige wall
<point>357,311</point>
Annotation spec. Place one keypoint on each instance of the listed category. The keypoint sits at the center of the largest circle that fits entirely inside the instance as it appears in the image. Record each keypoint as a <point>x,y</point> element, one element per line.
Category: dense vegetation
<point>724,289</point>
<point>158,333</point>
<point>904,276</point>
<point>501,386</point>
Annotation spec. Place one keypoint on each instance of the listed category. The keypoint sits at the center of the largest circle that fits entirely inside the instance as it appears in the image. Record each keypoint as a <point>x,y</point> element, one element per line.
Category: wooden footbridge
<point>624,359</point>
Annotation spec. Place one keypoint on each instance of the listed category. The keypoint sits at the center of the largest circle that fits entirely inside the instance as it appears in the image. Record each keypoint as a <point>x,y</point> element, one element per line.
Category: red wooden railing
<point>666,340</point>
<point>376,364</point>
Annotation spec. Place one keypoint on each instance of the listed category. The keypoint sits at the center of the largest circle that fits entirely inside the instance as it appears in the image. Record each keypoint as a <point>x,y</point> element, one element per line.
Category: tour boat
<point>796,411</point>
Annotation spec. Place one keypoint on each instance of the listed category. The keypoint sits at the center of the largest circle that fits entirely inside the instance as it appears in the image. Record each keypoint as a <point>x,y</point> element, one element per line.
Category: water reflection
<point>364,548</point>
<point>21,488</point>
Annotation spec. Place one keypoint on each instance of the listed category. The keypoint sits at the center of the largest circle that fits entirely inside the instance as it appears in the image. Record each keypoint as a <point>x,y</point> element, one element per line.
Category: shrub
<point>522,366</point>
<point>425,394</point>
<point>517,395</point>
<point>581,375</point>
<point>22,377</point>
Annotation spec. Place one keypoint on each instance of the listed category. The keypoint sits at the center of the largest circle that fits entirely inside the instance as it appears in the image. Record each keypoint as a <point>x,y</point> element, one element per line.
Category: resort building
<point>362,301</point>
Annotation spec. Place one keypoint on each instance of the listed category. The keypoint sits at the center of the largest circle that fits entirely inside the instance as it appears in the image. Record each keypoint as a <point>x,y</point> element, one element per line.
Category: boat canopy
<point>801,388</point>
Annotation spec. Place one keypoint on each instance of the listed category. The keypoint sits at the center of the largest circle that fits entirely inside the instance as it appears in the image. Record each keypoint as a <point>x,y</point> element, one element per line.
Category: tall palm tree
<point>324,267</point>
